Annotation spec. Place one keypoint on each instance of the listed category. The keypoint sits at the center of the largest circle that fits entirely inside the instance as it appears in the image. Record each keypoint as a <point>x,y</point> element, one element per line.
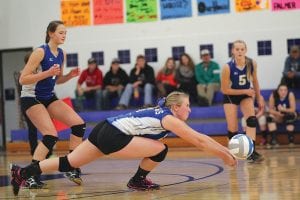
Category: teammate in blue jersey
<point>43,70</point>
<point>238,77</point>
<point>282,109</point>
<point>132,135</point>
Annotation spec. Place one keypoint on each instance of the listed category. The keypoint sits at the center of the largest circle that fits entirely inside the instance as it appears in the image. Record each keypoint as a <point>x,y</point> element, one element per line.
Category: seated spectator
<point>141,79</point>
<point>93,78</point>
<point>185,77</point>
<point>114,83</point>
<point>165,79</point>
<point>282,109</point>
<point>262,122</point>
<point>208,77</point>
<point>291,73</point>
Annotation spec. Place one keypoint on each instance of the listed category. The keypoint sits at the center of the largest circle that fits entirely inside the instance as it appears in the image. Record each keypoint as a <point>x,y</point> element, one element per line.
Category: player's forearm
<point>63,79</point>
<point>33,78</point>
<point>230,91</point>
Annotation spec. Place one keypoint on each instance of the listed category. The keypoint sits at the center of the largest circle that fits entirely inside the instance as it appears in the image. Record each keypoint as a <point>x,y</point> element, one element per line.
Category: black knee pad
<point>64,165</point>
<point>270,119</point>
<point>289,118</point>
<point>78,130</point>
<point>49,141</point>
<point>251,122</point>
<point>160,156</point>
<point>231,134</point>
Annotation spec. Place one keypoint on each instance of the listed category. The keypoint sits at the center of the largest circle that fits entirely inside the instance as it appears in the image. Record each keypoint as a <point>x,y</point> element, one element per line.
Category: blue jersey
<point>144,122</point>
<point>283,102</point>
<point>238,77</point>
<point>44,89</point>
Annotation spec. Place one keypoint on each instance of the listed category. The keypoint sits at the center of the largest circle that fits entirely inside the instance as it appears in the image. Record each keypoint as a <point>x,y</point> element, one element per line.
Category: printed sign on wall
<point>141,10</point>
<point>108,11</point>
<point>175,8</point>
<point>207,7</point>
<point>75,12</point>
<point>278,5</point>
<point>250,5</point>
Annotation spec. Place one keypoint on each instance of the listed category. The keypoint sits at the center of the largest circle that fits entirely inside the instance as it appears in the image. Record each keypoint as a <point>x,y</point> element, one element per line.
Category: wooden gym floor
<point>185,174</point>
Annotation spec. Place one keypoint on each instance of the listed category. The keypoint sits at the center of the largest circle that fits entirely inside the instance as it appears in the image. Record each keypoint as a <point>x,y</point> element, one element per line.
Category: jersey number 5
<point>242,79</point>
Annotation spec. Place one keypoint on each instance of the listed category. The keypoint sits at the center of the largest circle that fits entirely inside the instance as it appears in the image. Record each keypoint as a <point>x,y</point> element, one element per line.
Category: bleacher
<point>207,120</point>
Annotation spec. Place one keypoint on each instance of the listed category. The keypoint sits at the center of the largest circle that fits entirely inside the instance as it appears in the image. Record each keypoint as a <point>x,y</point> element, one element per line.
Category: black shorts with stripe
<point>234,99</point>
<point>27,102</point>
<point>108,139</point>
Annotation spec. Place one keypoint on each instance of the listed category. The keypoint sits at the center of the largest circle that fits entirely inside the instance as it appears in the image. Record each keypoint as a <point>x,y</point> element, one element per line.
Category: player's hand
<point>74,72</point>
<point>54,70</point>
<point>250,92</point>
<point>230,160</point>
<point>261,104</point>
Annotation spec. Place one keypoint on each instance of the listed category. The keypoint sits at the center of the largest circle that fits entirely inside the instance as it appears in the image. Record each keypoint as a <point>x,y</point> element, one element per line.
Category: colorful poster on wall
<point>170,9</point>
<point>278,5</point>
<point>251,5</point>
<point>75,12</point>
<point>108,11</point>
<point>207,7</point>
<point>141,10</point>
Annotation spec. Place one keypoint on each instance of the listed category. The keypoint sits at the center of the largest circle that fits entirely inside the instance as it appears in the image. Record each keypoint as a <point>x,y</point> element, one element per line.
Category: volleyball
<point>241,146</point>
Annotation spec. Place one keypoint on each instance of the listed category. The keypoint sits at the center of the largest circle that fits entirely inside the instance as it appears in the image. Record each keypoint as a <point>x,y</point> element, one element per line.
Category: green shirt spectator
<point>208,77</point>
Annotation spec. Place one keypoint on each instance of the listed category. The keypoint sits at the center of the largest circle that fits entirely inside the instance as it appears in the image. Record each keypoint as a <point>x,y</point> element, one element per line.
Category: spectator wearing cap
<point>291,72</point>
<point>208,77</point>
<point>92,89</point>
<point>114,83</point>
<point>141,79</point>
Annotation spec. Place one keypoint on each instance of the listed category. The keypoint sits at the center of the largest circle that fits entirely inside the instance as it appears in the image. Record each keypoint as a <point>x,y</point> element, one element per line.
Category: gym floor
<point>185,174</point>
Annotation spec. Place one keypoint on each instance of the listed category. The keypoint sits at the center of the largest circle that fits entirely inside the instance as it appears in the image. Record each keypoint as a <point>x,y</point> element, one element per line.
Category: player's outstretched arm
<point>200,140</point>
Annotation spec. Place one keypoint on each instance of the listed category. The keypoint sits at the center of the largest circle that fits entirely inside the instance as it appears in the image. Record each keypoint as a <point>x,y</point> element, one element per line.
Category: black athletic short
<point>108,139</point>
<point>234,99</point>
<point>27,102</point>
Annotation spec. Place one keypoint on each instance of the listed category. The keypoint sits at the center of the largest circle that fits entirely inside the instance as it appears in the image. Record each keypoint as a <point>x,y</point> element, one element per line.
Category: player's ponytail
<point>249,68</point>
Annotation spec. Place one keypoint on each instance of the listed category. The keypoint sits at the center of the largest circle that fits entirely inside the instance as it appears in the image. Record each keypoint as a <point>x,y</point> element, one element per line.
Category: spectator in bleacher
<point>282,105</point>
<point>141,79</point>
<point>114,83</point>
<point>185,76</point>
<point>135,134</point>
<point>165,79</point>
<point>208,77</point>
<point>42,72</point>
<point>291,72</point>
<point>93,79</point>
<point>237,76</point>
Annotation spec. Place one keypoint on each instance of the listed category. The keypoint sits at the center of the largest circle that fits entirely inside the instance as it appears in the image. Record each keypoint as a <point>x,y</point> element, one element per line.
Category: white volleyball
<point>241,146</point>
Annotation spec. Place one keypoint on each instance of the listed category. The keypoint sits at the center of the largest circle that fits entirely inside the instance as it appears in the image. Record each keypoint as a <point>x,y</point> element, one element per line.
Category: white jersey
<point>143,122</point>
